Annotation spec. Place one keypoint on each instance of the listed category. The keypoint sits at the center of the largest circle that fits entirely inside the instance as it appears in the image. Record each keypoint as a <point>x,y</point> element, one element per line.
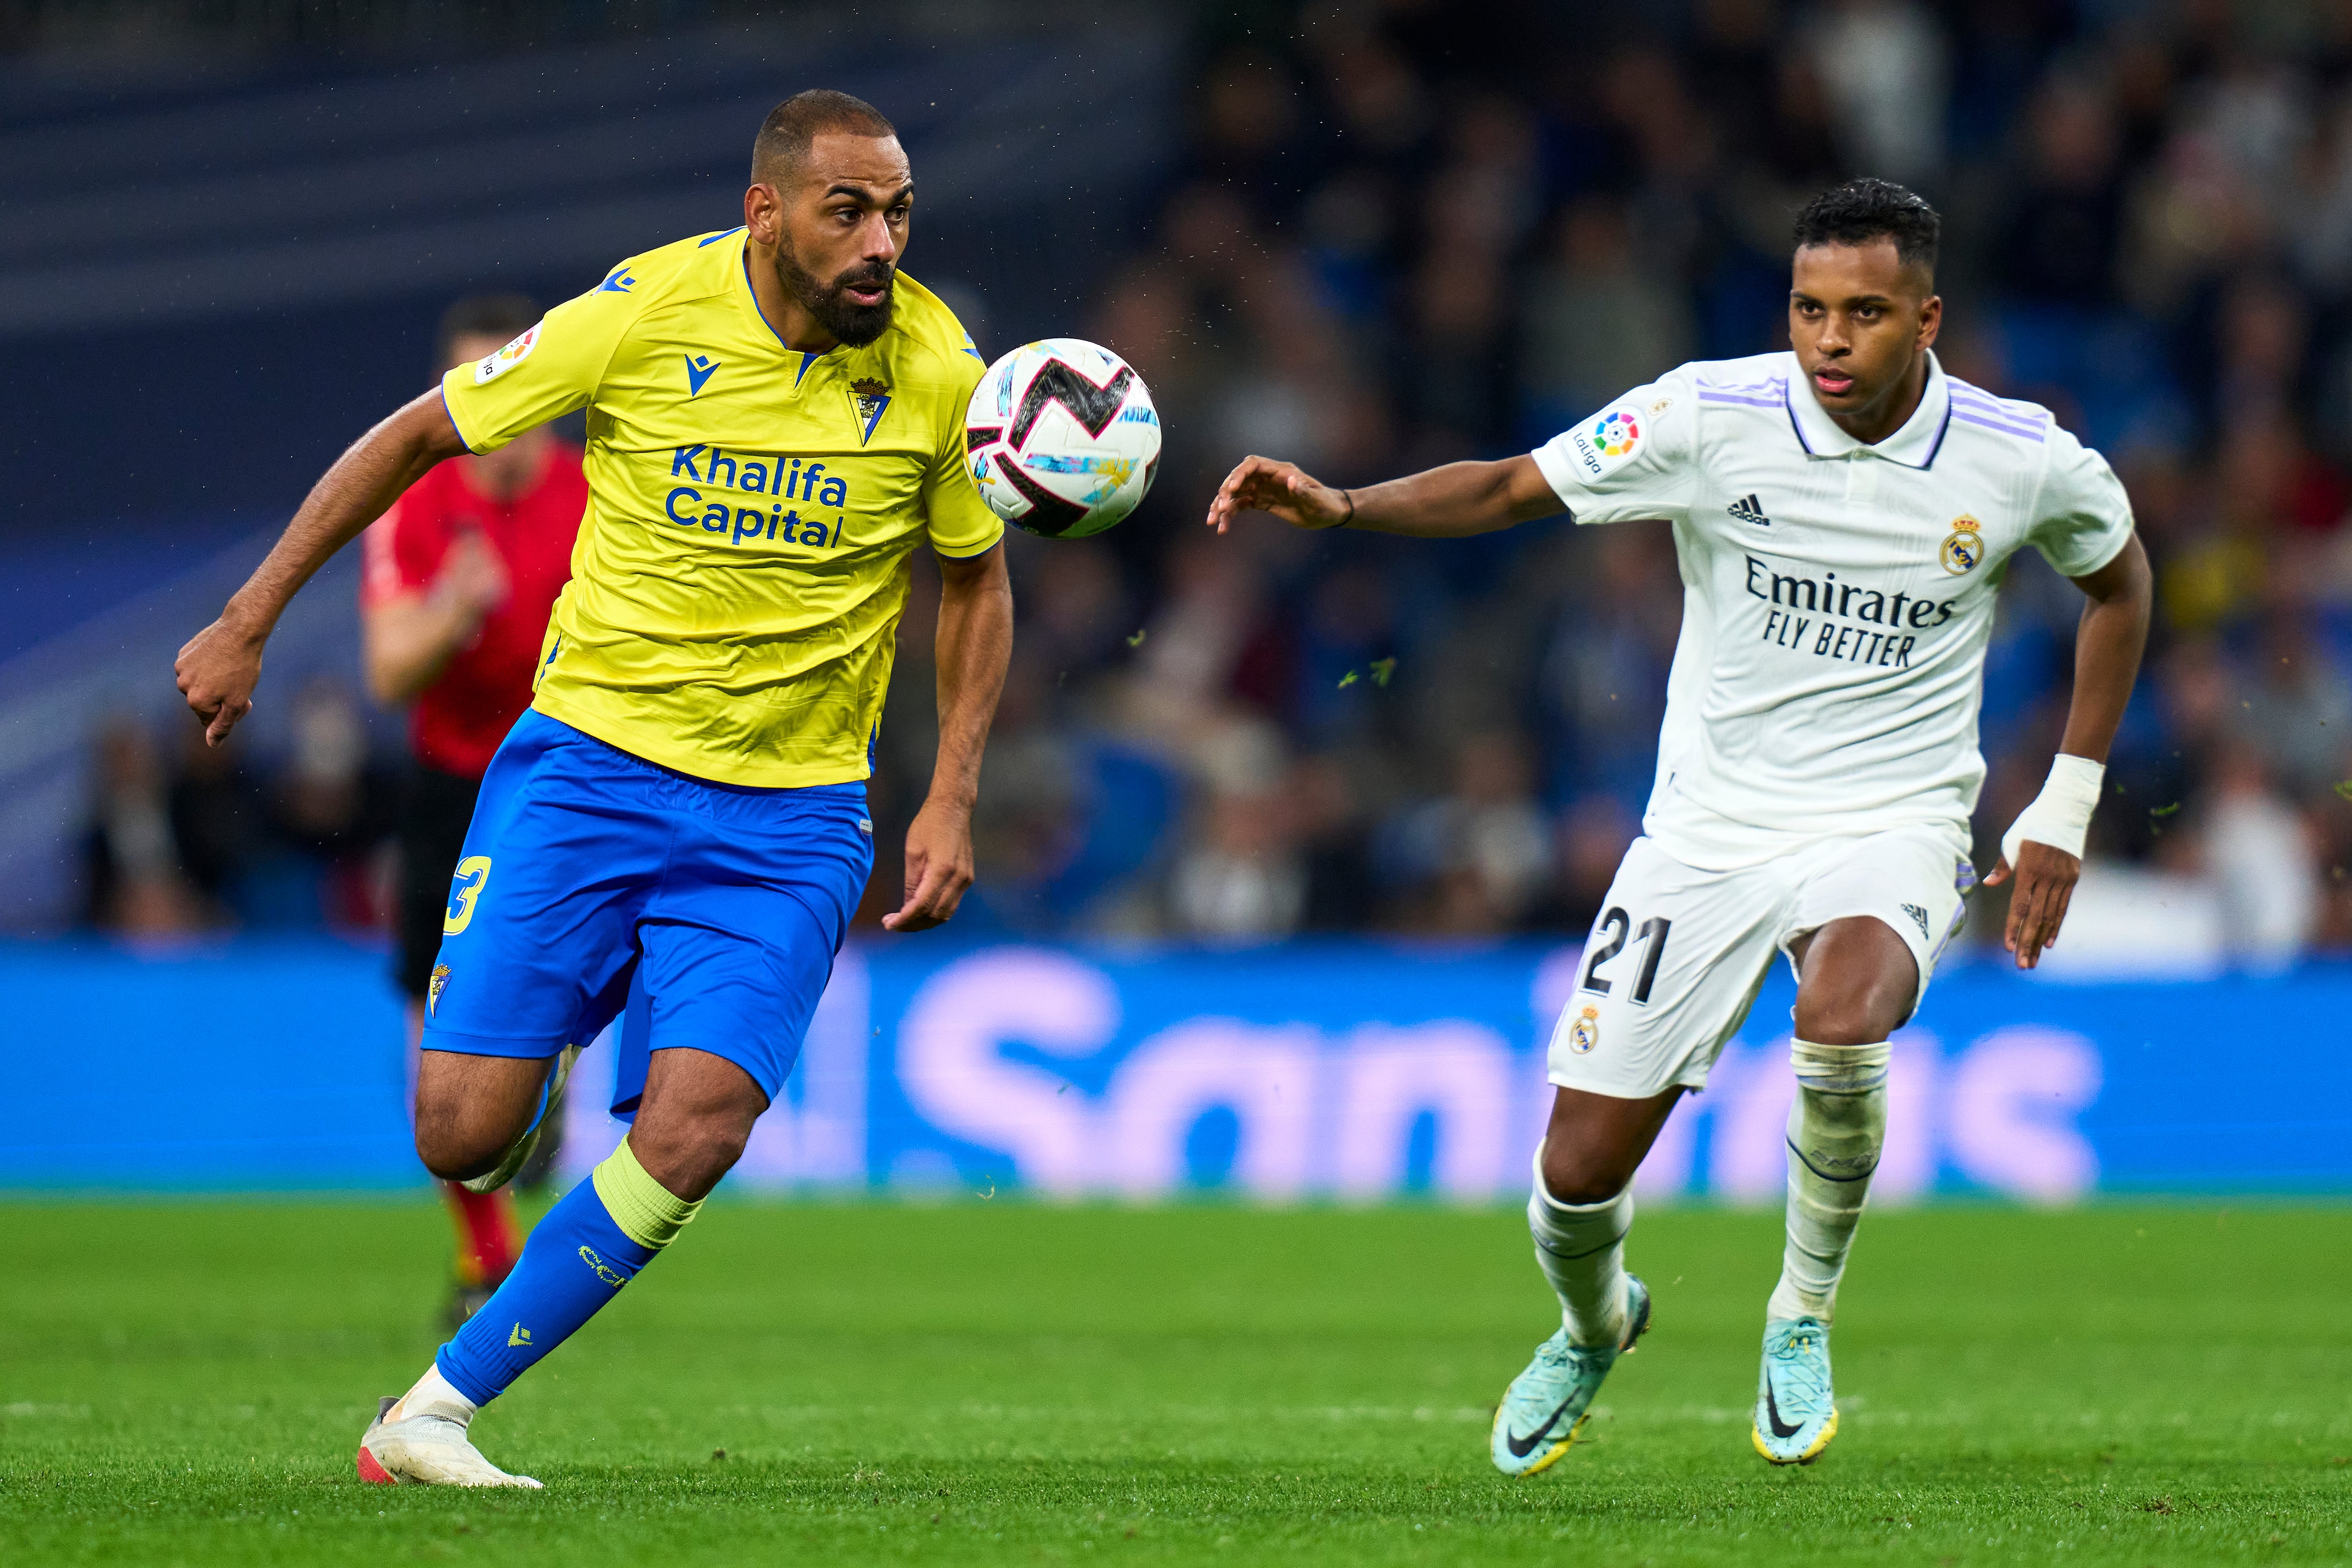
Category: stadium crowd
<point>1391,241</point>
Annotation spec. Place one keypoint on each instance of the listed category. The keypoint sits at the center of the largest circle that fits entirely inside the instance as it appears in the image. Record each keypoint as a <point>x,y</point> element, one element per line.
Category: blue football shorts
<point>596,885</point>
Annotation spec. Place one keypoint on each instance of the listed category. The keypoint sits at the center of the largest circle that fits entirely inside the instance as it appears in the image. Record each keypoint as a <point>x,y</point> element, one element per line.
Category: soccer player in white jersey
<point>1843,513</point>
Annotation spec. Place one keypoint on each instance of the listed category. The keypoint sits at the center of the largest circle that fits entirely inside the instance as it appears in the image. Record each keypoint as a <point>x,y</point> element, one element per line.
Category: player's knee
<point>452,1151</point>
<point>1574,1176</point>
<point>1840,1021</point>
<point>1860,981</point>
<point>687,1153</point>
<point>458,1137</point>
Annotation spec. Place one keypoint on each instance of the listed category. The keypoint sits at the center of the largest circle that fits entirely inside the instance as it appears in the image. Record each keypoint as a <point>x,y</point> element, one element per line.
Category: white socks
<point>1837,1127</point>
<point>434,1394</point>
<point>1582,1250</point>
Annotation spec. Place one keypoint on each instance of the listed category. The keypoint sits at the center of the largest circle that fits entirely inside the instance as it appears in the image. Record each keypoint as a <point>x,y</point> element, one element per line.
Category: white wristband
<point>2061,815</point>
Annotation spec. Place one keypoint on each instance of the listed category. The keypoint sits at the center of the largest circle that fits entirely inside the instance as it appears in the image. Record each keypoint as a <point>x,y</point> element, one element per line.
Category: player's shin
<point>1836,1129</point>
<point>1582,1250</point>
<point>591,1244</point>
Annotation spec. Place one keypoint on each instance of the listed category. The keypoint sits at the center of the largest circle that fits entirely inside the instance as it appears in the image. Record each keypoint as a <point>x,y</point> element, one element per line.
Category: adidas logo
<point>1749,509</point>
<point>1919,914</point>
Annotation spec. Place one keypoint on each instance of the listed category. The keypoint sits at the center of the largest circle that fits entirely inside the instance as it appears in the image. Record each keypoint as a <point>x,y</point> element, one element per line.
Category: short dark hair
<point>784,136</point>
<point>1861,210</point>
<point>505,316</point>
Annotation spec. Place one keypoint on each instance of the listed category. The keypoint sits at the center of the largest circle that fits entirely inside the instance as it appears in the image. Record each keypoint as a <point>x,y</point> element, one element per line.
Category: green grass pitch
<point>183,1382</point>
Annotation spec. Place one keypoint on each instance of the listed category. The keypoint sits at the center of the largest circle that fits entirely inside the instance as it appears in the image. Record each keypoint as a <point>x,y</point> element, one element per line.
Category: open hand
<point>939,867</point>
<point>218,668</point>
<point>1263,484</point>
<point>2037,905</point>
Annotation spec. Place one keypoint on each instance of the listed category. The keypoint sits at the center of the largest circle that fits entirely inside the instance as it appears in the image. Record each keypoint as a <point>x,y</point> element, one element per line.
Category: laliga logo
<point>508,358</point>
<point>1616,434</point>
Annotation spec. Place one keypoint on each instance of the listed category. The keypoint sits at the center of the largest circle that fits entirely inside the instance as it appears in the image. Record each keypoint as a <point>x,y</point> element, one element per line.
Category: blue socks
<point>591,1244</point>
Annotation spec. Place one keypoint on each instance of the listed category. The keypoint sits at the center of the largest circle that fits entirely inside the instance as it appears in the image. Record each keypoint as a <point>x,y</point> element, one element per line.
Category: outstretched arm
<point>973,648</point>
<point>220,665</point>
<point>1458,499</point>
<point>2107,645</point>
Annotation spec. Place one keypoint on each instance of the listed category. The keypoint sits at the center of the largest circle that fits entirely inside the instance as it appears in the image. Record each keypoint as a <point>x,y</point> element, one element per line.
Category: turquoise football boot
<point>1796,1415</point>
<point>1547,1405</point>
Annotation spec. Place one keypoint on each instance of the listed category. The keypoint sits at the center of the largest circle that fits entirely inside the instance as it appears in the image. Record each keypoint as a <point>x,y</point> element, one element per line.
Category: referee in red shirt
<point>460,576</point>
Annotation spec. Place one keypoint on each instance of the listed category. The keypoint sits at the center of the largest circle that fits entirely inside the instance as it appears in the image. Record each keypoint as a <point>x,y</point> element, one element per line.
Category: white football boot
<point>427,1450</point>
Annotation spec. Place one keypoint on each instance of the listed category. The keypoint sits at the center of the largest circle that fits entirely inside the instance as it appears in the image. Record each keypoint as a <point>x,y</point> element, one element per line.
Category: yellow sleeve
<point>548,372</point>
<point>959,522</point>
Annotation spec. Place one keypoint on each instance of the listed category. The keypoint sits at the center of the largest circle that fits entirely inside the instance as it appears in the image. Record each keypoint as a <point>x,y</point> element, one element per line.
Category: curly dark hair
<point>1861,210</point>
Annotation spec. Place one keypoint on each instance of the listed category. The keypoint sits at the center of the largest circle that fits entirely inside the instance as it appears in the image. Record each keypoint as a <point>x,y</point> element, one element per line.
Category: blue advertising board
<point>1345,1071</point>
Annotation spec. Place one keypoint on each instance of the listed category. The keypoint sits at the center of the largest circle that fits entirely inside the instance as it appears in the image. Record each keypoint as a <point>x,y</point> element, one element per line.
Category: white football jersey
<point>1837,597</point>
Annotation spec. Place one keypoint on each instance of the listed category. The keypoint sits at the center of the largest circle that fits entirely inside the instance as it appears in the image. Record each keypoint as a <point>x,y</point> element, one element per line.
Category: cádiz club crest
<point>1585,1032</point>
<point>1964,548</point>
<point>870,397</point>
<point>435,986</point>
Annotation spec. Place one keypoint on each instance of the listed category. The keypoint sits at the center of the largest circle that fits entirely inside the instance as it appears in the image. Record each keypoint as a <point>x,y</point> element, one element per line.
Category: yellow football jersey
<point>735,592</point>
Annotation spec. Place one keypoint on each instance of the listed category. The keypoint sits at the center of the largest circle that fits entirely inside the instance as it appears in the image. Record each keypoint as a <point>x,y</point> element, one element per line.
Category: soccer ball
<point>1062,438</point>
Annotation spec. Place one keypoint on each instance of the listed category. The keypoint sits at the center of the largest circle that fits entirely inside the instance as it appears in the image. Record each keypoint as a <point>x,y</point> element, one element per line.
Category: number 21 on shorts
<point>1611,933</point>
<point>465,889</point>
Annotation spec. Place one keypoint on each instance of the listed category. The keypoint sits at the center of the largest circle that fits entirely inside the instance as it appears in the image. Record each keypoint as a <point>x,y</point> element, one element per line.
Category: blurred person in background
<point>2257,854</point>
<point>1242,879</point>
<point>131,863</point>
<point>461,575</point>
<point>335,810</point>
<point>1479,857</point>
<point>219,821</point>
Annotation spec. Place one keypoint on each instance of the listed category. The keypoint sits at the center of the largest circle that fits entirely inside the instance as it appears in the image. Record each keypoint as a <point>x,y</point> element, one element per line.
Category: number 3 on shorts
<point>473,875</point>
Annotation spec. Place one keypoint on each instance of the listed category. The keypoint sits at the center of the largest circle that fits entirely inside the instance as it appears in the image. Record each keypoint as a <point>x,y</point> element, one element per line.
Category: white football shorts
<point>1678,955</point>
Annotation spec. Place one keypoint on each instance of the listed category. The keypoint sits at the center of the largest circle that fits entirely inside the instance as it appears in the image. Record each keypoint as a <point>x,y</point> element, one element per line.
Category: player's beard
<point>842,317</point>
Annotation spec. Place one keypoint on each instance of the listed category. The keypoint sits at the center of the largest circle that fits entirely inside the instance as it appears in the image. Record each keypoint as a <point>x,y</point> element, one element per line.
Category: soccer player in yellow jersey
<point>675,833</point>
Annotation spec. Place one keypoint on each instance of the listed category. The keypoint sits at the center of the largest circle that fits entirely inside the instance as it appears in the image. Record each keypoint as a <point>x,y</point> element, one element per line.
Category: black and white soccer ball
<point>1062,438</point>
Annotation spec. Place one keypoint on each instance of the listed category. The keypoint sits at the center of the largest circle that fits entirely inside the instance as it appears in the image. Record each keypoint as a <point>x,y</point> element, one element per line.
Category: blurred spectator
<point>1242,879</point>
<point>2260,860</point>
<point>1884,62</point>
<point>1597,323</point>
<point>2060,240</point>
<point>1595,834</point>
<point>336,807</point>
<point>1479,859</point>
<point>1606,671</point>
<point>1327,797</point>
<point>2297,707</point>
<point>135,882</point>
<point>217,816</point>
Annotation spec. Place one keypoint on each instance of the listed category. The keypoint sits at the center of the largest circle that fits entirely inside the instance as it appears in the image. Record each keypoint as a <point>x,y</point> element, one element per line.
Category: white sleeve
<point>2081,518</point>
<point>1633,460</point>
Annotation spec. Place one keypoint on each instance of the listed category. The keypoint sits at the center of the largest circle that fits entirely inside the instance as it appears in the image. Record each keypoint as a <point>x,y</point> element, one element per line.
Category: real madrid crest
<point>1585,1032</point>
<point>1964,548</point>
